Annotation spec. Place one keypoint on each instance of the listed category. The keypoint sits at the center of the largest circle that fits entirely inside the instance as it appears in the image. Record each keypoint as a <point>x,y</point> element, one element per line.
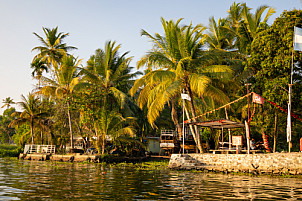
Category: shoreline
<point>88,158</point>
<point>268,164</point>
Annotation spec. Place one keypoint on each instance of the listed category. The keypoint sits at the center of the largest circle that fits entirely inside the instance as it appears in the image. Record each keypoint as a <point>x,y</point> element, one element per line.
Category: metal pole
<point>248,116</point>
<point>183,126</point>
<point>289,94</point>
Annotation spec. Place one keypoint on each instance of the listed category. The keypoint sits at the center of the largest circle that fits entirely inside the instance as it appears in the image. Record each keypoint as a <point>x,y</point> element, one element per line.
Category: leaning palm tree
<point>180,65</point>
<point>53,48</point>
<point>7,102</point>
<point>30,114</point>
<point>63,86</point>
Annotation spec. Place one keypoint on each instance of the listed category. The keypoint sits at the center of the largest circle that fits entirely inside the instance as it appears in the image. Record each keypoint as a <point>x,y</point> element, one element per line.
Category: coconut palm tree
<point>218,36</point>
<point>110,73</point>
<point>53,48</point>
<point>30,114</point>
<point>112,125</point>
<point>38,66</point>
<point>65,83</point>
<point>180,65</point>
<point>7,102</point>
<point>250,23</point>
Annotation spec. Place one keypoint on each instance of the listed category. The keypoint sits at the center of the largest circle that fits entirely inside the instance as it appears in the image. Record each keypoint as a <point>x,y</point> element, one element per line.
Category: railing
<point>167,141</point>
<point>44,149</point>
<point>168,132</point>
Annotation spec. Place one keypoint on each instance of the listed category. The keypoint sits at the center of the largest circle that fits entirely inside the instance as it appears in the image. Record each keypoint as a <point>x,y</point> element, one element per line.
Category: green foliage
<point>270,61</point>
<point>93,101</point>
<point>6,132</point>
<point>9,150</point>
<point>22,135</point>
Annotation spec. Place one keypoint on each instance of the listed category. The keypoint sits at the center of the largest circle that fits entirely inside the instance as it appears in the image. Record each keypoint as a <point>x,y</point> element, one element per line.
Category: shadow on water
<point>30,180</point>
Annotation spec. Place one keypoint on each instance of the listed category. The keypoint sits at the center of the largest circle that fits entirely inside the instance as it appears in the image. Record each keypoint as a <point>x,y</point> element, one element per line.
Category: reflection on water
<point>30,180</point>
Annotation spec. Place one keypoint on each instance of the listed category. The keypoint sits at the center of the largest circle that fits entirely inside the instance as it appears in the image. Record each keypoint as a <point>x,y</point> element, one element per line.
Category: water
<point>30,180</point>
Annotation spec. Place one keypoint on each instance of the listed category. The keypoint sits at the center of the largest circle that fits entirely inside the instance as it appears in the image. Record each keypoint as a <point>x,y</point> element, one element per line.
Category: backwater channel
<point>38,180</point>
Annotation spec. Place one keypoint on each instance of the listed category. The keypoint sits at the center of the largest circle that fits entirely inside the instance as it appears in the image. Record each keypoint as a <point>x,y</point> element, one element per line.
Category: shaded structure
<point>220,124</point>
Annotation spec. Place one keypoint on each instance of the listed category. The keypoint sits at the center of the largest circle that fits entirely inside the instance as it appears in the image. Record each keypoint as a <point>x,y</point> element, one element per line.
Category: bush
<point>9,150</point>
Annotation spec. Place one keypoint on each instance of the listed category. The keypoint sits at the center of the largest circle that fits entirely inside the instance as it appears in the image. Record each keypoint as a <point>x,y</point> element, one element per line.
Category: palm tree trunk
<point>275,132</point>
<point>103,145</point>
<point>98,147</point>
<point>190,126</point>
<point>198,142</point>
<point>32,130</point>
<point>39,78</point>
<point>70,125</point>
<point>175,118</point>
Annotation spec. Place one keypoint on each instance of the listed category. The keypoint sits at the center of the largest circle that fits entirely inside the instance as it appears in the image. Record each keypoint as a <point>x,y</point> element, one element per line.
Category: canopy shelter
<point>219,124</point>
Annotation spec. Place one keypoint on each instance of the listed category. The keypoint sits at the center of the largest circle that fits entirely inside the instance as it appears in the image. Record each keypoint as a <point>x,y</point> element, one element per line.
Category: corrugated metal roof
<point>220,123</point>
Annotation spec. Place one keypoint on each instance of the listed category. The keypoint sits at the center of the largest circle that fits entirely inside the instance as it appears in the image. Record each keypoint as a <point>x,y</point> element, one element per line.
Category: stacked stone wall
<point>272,163</point>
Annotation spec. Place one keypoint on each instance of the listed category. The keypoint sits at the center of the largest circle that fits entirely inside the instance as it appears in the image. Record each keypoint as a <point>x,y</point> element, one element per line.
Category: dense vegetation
<point>105,100</point>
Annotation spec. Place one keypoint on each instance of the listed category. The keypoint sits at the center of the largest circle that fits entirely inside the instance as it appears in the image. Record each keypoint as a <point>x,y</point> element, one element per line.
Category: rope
<point>209,112</point>
<point>219,107</point>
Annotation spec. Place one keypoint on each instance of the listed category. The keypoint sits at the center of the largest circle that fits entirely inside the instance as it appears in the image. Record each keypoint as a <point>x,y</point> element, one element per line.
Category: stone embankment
<point>270,163</point>
<point>62,158</point>
<point>77,157</point>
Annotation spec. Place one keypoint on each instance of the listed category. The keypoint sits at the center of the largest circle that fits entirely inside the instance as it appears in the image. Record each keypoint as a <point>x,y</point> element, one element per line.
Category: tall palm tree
<point>53,48</point>
<point>218,36</point>
<point>30,114</point>
<point>38,66</point>
<point>7,102</point>
<point>110,73</point>
<point>235,16</point>
<point>250,24</point>
<point>64,85</point>
<point>180,65</point>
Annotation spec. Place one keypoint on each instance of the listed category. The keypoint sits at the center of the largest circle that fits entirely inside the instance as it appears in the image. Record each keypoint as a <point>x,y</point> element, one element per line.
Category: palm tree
<point>250,24</point>
<point>219,37</point>
<point>110,73</point>
<point>64,85</point>
<point>7,102</point>
<point>180,65</point>
<point>235,16</point>
<point>112,125</point>
<point>53,48</point>
<point>30,114</point>
<point>39,67</point>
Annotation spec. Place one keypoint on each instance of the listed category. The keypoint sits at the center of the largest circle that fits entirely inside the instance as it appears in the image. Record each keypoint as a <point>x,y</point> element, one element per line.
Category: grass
<point>149,165</point>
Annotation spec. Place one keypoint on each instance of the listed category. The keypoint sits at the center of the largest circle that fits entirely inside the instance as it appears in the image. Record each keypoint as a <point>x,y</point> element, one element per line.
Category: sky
<point>90,23</point>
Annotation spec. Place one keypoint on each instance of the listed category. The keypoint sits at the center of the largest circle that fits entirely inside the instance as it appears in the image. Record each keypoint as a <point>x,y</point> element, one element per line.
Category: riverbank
<point>107,158</point>
<point>271,163</point>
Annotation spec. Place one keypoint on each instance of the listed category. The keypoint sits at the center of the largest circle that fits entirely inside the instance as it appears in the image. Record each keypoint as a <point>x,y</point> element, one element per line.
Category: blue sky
<point>93,22</point>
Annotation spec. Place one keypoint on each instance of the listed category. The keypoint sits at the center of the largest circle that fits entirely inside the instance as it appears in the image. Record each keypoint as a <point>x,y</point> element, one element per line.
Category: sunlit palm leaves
<point>53,48</point>
<point>109,72</point>
<point>7,102</point>
<point>65,83</point>
<point>181,65</point>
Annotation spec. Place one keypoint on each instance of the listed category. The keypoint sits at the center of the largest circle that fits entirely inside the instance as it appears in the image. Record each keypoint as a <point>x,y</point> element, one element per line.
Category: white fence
<point>43,149</point>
